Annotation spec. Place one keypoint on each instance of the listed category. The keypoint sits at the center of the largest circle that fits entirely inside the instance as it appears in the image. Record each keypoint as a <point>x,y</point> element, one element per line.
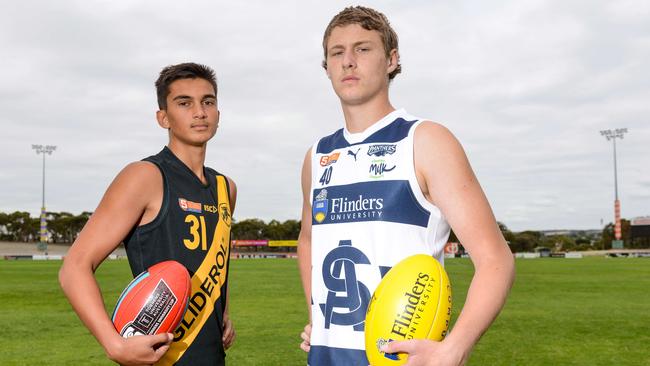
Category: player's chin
<point>200,140</point>
<point>351,97</point>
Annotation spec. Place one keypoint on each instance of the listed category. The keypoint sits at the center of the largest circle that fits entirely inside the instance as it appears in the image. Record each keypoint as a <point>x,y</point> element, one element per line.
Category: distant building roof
<point>645,220</point>
<point>556,232</point>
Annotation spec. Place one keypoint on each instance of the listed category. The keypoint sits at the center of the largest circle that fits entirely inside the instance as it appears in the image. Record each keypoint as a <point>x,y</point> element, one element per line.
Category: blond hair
<point>368,19</point>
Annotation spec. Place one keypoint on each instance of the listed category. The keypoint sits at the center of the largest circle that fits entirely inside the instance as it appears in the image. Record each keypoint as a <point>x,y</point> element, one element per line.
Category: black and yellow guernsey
<point>193,228</point>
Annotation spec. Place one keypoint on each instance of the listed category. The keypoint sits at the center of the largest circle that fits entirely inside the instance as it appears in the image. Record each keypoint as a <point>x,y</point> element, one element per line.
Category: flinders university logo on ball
<point>319,206</point>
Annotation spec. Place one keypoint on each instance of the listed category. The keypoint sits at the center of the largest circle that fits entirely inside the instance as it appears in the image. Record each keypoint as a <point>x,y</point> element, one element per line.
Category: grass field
<point>591,311</point>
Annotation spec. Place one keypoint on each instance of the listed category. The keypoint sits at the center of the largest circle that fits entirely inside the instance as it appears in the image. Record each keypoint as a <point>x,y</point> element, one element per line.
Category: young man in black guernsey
<point>168,206</point>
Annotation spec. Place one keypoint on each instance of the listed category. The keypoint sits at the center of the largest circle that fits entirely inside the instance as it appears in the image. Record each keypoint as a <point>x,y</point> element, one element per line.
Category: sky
<point>525,86</point>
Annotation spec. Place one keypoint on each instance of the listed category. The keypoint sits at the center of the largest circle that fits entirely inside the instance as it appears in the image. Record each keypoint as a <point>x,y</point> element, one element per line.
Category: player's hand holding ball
<point>425,352</point>
<point>409,310</point>
<point>140,350</point>
<point>149,309</point>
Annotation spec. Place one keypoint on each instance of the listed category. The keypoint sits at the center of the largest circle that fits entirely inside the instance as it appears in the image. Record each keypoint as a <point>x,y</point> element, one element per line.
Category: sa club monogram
<point>345,292</point>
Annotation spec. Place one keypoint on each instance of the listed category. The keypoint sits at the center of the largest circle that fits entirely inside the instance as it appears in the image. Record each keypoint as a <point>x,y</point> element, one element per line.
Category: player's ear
<point>327,71</point>
<point>393,60</point>
<point>161,117</point>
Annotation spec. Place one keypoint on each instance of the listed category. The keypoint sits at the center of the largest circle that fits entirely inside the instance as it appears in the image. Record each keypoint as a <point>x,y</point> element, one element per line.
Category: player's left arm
<point>228,328</point>
<point>304,247</point>
<point>447,180</point>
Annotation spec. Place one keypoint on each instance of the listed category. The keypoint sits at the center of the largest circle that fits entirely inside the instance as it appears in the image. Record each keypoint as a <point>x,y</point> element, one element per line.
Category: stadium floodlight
<point>612,135</point>
<point>40,149</point>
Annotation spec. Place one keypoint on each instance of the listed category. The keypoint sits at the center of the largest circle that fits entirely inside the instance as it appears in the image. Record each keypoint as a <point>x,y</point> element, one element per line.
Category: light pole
<point>40,149</point>
<point>613,135</point>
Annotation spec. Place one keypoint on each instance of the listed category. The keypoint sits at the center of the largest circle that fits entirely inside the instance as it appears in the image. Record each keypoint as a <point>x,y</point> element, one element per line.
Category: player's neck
<point>361,116</point>
<point>192,156</point>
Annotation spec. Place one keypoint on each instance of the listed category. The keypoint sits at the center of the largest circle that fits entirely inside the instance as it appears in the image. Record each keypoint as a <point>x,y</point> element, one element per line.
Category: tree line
<point>21,227</point>
<point>64,227</point>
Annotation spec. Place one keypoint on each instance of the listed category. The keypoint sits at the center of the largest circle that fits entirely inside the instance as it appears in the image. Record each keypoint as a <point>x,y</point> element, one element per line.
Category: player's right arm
<point>133,198</point>
<point>304,246</point>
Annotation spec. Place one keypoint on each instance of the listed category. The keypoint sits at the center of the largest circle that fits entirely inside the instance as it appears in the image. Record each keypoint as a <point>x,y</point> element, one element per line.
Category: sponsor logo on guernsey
<point>326,160</point>
<point>319,206</point>
<point>381,149</point>
<point>189,205</point>
<point>355,208</point>
<point>375,200</point>
<point>354,154</point>
<point>225,214</point>
<point>346,209</point>
<point>210,208</point>
<point>378,167</point>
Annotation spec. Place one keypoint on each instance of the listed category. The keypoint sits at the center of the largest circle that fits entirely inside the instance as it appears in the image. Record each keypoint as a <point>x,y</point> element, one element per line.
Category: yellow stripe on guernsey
<point>212,271</point>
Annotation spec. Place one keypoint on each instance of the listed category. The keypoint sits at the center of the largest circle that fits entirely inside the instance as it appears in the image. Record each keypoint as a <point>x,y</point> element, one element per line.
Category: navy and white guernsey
<point>368,213</point>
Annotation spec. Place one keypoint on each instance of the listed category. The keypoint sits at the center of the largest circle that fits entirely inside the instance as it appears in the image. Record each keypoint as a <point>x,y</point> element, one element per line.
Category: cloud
<point>525,86</point>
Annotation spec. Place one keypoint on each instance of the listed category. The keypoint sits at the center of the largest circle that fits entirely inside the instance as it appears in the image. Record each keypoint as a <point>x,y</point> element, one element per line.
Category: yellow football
<point>412,301</point>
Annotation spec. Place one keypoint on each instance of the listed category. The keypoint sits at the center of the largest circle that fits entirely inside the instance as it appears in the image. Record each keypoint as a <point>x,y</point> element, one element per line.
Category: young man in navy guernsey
<point>386,186</point>
<point>168,206</point>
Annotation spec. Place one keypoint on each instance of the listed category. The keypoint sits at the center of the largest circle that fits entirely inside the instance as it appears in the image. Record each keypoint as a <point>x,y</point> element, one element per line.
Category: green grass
<point>591,311</point>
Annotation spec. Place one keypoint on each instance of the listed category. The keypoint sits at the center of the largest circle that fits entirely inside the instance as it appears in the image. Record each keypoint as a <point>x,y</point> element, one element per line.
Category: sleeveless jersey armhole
<point>227,189</point>
<point>314,169</point>
<point>437,220</point>
<point>164,206</point>
<point>413,180</point>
